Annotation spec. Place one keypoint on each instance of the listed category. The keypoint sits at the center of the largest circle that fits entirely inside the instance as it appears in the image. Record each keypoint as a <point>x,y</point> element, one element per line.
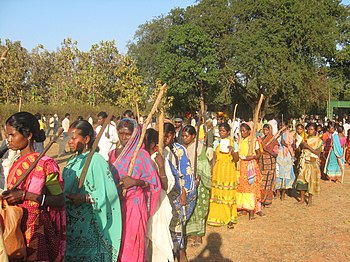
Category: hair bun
<point>41,136</point>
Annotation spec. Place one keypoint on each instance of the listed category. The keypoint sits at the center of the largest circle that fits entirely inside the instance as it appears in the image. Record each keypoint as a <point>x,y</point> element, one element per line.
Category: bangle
<point>86,198</point>
<point>42,200</point>
<point>23,196</point>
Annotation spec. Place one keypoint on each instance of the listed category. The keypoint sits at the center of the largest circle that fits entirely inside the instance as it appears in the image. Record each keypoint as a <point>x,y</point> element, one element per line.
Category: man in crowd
<point>109,138</point>
<point>63,142</point>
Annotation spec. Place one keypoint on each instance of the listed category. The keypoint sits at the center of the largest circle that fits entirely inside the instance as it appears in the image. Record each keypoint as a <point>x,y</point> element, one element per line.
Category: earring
<point>86,146</point>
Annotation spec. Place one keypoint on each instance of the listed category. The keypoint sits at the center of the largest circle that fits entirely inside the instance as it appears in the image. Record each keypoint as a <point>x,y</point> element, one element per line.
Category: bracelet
<point>43,200</point>
<point>86,198</point>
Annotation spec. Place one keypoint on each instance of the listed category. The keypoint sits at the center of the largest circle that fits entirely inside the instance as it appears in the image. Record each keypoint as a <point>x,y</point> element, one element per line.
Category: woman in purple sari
<point>142,190</point>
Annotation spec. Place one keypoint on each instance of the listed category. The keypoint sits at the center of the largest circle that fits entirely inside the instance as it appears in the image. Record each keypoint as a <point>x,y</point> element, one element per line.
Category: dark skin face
<point>17,141</point>
<point>124,135</point>
<point>223,132</point>
<point>311,131</point>
<point>77,142</point>
<point>300,130</point>
<point>168,138</point>
<point>187,138</point>
<point>266,131</point>
<point>245,132</point>
<point>100,120</point>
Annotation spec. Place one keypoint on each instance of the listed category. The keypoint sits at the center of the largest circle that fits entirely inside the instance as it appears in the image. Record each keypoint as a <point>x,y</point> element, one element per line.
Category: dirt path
<point>288,232</point>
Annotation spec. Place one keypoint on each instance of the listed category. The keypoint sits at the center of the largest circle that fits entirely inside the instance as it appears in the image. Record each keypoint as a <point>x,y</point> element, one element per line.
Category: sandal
<point>261,214</point>
<point>230,225</point>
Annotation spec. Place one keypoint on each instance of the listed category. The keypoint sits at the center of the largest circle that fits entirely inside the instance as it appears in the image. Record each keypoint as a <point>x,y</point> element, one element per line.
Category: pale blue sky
<point>48,22</point>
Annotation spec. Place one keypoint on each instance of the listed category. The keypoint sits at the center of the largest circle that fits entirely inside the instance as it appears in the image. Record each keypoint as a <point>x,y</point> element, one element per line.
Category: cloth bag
<point>10,218</point>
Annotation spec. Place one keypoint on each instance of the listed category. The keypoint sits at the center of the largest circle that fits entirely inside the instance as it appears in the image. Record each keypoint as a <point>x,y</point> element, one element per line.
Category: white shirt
<point>90,120</point>
<point>52,122</point>
<point>65,124</point>
<point>108,140</point>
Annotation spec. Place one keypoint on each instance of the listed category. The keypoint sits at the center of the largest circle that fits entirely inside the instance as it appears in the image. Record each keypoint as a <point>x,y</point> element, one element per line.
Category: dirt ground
<point>288,232</point>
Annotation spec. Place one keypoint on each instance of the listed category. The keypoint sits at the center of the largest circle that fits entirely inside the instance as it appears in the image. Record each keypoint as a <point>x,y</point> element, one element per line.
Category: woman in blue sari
<point>183,195</point>
<point>335,161</point>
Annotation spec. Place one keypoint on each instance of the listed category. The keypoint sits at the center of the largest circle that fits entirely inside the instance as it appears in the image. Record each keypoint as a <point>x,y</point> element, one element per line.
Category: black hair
<point>225,126</point>
<point>128,113</point>
<point>80,118</point>
<point>169,128</point>
<point>340,129</point>
<point>126,122</point>
<point>189,129</point>
<point>26,123</point>
<point>266,126</point>
<point>300,125</point>
<point>102,114</point>
<point>67,114</point>
<point>85,129</point>
<point>246,126</point>
<point>314,125</point>
<point>151,136</point>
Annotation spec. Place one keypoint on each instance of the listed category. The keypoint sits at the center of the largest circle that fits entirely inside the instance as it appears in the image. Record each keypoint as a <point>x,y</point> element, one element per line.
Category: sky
<point>49,22</point>
<point>88,22</point>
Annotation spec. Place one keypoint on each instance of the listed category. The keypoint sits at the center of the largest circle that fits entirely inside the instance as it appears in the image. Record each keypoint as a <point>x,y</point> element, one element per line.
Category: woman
<point>142,190</point>
<point>249,181</point>
<point>347,154</point>
<point>223,210</point>
<point>300,136</point>
<point>327,138</point>
<point>309,166</point>
<point>159,244</point>
<point>334,165</point>
<point>195,227</point>
<point>183,195</point>
<point>93,212</point>
<point>285,161</point>
<point>40,195</point>
<point>268,165</point>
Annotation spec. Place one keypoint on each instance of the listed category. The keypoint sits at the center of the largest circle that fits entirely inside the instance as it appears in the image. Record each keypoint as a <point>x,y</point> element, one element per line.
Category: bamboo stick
<point>161,132</point>
<point>149,117</point>
<point>92,151</point>
<point>255,123</point>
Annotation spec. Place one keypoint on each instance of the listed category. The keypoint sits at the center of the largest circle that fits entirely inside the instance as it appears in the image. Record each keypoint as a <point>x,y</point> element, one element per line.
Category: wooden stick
<point>234,113</point>
<point>92,151</point>
<point>144,128</point>
<point>161,132</point>
<point>33,165</point>
<point>276,135</point>
<point>137,111</point>
<point>255,123</point>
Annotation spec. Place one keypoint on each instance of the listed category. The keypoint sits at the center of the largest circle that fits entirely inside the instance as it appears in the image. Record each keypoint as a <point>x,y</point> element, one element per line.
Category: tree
<point>188,64</point>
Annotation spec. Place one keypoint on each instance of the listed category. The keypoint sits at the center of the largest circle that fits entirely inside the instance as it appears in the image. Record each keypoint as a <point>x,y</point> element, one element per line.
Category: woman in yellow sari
<point>249,181</point>
<point>222,209</point>
<point>309,165</point>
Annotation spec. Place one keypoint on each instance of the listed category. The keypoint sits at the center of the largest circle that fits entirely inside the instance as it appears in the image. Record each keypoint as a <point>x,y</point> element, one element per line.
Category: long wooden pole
<point>255,123</point>
<point>161,132</point>
<point>144,128</point>
<point>92,151</point>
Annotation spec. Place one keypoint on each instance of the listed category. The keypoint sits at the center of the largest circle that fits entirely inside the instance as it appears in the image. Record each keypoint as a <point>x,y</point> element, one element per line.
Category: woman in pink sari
<point>40,195</point>
<point>142,190</point>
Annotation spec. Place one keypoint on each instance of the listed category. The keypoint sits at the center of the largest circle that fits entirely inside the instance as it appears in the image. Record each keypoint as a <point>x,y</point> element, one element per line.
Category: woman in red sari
<point>40,195</point>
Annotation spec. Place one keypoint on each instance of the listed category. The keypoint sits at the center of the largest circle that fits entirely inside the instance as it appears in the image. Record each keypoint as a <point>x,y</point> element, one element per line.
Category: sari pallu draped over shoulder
<point>44,228</point>
<point>139,203</point>
<point>335,161</point>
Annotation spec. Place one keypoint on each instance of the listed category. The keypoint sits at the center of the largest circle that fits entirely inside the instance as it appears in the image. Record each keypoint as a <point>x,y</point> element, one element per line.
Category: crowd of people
<point>208,173</point>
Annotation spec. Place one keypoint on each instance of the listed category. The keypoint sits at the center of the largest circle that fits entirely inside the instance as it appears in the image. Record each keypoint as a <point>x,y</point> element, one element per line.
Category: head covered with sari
<point>268,142</point>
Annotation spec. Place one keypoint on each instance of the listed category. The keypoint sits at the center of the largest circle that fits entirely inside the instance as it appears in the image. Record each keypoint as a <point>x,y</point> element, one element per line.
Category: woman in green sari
<point>195,227</point>
<point>93,214</point>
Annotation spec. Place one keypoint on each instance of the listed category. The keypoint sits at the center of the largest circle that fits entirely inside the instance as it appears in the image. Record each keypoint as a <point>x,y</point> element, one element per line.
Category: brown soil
<point>288,232</point>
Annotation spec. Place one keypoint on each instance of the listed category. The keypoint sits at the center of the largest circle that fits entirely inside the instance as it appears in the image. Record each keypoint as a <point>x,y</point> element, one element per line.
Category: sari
<point>347,152</point>
<point>309,168</point>
<point>268,168</point>
<point>196,224</point>
<point>44,227</point>
<point>285,163</point>
<point>159,244</point>
<point>334,165</point>
<point>327,146</point>
<point>249,181</point>
<point>180,166</point>
<point>223,209</point>
<point>138,204</point>
<point>94,229</point>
